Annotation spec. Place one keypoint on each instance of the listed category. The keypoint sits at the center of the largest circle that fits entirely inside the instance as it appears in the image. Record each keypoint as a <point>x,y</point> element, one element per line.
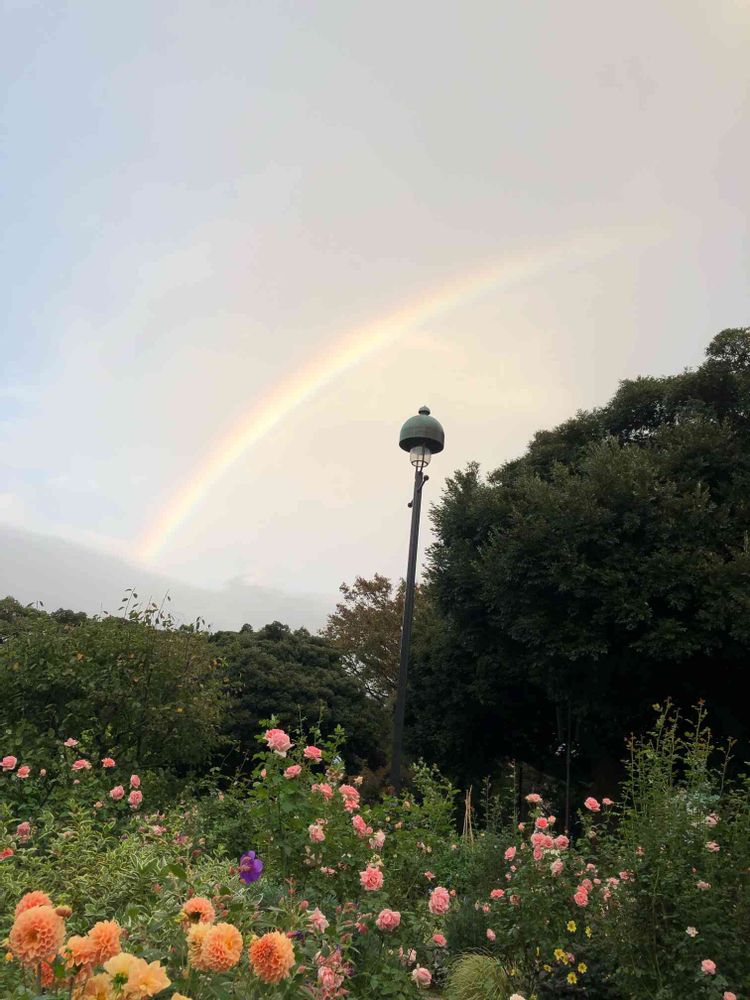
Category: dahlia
<point>272,957</point>
<point>222,947</point>
<point>37,933</point>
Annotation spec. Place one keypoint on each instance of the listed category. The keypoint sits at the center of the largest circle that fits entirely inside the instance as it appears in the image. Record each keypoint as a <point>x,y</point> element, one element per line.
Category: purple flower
<point>250,867</point>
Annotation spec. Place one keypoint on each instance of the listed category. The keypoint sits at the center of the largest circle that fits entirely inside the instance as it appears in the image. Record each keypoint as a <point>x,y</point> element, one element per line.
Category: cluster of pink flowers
<point>9,763</point>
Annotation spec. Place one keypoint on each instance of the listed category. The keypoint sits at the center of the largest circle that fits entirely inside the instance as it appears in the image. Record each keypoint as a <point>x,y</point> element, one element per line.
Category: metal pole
<point>411,572</point>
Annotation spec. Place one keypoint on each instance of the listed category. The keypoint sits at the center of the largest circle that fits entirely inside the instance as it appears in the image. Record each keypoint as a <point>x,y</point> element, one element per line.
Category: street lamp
<point>422,436</point>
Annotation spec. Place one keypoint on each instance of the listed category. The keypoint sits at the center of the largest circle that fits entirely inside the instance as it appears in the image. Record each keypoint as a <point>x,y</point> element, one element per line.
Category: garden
<point>296,879</point>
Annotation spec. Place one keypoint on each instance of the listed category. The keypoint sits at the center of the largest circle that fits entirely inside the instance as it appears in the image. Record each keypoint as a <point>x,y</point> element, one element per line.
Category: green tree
<point>366,628</point>
<point>604,570</point>
<point>152,693</point>
<point>294,675</point>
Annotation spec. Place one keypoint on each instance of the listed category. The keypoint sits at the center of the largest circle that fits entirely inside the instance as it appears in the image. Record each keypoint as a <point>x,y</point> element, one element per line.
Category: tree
<point>366,629</point>
<point>604,570</point>
<point>295,675</point>
<point>139,687</point>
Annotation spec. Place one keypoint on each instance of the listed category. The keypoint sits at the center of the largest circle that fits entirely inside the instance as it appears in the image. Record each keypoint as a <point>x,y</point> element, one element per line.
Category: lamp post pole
<point>411,573</point>
<point>422,436</point>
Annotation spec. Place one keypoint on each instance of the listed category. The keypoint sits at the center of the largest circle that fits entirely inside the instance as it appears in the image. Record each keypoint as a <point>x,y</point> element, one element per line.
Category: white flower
<point>691,931</point>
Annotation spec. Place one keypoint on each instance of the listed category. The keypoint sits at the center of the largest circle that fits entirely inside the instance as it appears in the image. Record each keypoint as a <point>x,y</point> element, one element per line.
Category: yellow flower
<point>572,978</point>
<point>582,967</point>
<point>572,926</point>
<point>547,968</point>
<point>559,954</point>
<point>588,932</point>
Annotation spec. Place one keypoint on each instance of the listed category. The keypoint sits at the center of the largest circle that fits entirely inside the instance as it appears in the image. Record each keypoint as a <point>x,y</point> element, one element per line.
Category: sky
<point>242,242</point>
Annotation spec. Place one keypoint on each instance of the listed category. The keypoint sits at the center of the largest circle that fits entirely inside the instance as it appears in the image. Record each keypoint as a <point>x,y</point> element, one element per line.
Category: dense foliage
<point>606,569</point>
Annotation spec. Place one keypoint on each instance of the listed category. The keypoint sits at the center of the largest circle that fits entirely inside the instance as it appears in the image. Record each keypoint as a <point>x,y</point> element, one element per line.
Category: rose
<point>8,763</point>
<point>439,940</point>
<point>23,831</point>
<point>421,976</point>
<point>581,897</point>
<point>24,771</point>
<point>533,798</point>
<point>108,762</point>
<point>371,879</point>
<point>592,805</point>
<point>116,793</point>
<point>317,920</point>
<point>510,853</point>
<point>70,742</point>
<point>135,781</point>
<point>440,900</point>
<point>316,832</point>
<point>134,799</point>
<point>497,893</point>
<point>708,968</point>
<point>312,753</point>
<point>377,840</point>
<point>556,867</point>
<point>292,772</point>
<point>561,842</point>
<point>541,823</point>
<point>278,741</point>
<point>81,765</point>
<point>388,920</point>
<point>490,934</point>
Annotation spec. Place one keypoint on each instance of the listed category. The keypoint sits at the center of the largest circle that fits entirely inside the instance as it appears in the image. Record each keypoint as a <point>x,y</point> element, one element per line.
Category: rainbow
<point>350,350</point>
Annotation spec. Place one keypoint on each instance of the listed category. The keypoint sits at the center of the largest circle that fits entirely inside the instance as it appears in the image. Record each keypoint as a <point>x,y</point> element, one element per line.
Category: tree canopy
<point>605,569</point>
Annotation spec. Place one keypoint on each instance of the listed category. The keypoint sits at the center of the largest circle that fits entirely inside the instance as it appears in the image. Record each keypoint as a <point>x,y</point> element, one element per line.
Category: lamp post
<point>422,436</point>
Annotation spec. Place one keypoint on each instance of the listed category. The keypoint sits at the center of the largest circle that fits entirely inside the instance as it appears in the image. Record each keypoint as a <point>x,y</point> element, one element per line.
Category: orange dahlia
<point>195,938</point>
<point>96,988</point>
<point>272,957</point>
<point>79,951</point>
<point>36,934</point>
<point>35,898</point>
<point>105,940</point>
<point>222,947</point>
<point>198,910</point>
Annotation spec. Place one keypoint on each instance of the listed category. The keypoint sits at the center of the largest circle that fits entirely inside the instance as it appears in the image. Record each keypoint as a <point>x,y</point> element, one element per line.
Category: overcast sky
<point>203,201</point>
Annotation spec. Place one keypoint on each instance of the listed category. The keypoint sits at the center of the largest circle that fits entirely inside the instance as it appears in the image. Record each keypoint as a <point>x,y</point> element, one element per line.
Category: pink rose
<point>728,995</point>
<point>534,799</point>
<point>703,885</point>
<point>323,789</point>
<point>70,742</point>
<point>421,976</point>
<point>708,967</point>
<point>135,781</point>
<point>607,802</point>
<point>561,842</point>
<point>116,793</point>
<point>81,765</point>
<point>317,920</point>
<point>712,819</point>
<point>541,823</point>
<point>388,920</point>
<point>327,978</point>
<point>23,832</point>
<point>710,846</point>
<point>328,871</point>
<point>108,762</point>
<point>7,852</point>
<point>292,772</point>
<point>24,771</point>
<point>278,741</point>
<point>361,828</point>
<point>439,940</point>
<point>312,753</point>
<point>317,834</point>
<point>8,763</point>
<point>497,893</point>
<point>592,805</point>
<point>371,878</point>
<point>556,867</point>
<point>377,840</point>
<point>440,900</point>
<point>510,853</point>
<point>350,796</point>
<point>581,897</point>
<point>491,934</point>
<point>134,799</point>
